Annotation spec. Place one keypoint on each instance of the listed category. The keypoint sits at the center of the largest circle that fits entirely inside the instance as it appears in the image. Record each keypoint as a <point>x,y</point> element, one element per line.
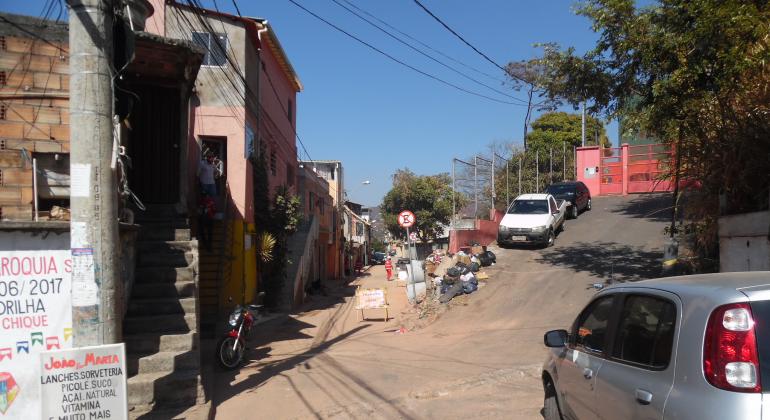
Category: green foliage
<point>429,197</point>
<point>553,129</point>
<point>692,73</point>
<point>379,245</point>
<point>285,213</point>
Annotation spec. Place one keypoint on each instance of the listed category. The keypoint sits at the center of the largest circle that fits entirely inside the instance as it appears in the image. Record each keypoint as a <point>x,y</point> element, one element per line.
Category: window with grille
<point>3,43</point>
<point>3,111</point>
<point>215,45</point>
<point>3,78</point>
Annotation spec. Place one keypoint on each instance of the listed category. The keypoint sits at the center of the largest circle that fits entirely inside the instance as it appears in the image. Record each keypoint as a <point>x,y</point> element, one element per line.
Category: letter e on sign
<point>406,219</point>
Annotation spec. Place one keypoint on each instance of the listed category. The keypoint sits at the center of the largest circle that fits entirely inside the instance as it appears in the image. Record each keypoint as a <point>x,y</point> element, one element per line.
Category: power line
<point>464,41</point>
<point>399,61</point>
<point>425,54</point>
<point>351,4</point>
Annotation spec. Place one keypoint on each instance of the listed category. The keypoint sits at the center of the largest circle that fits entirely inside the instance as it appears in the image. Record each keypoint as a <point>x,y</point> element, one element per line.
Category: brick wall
<point>34,115</point>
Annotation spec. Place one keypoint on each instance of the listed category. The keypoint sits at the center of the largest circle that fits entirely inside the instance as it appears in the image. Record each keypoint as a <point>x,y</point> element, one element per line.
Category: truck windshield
<point>529,207</point>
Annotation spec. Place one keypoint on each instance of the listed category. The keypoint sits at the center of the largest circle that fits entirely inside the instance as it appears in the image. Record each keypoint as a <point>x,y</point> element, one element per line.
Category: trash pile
<point>462,277</point>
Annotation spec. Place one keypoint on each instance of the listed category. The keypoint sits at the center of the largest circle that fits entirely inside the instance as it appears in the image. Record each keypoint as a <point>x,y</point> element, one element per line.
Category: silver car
<point>691,347</point>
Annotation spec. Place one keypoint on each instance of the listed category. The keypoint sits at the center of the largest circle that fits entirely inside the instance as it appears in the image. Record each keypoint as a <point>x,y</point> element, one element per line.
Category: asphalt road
<point>480,359</point>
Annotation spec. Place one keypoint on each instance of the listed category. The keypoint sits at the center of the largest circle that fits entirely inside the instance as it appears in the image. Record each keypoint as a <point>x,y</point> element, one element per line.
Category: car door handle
<point>588,373</point>
<point>643,397</point>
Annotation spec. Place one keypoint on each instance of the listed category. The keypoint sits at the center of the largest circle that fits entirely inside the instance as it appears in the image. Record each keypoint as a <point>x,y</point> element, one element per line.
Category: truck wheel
<point>551,239</point>
<point>574,212</point>
<point>588,205</point>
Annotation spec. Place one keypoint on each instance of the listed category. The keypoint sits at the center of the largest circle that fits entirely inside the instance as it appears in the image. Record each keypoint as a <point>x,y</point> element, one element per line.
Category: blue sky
<point>377,116</point>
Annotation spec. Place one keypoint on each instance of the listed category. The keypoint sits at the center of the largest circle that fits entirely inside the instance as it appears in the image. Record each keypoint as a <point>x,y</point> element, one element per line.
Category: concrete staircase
<point>299,272</point>
<point>160,328</point>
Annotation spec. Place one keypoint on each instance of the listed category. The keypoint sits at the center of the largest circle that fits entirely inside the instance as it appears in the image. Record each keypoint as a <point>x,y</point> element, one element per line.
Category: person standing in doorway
<point>206,171</point>
<point>388,268</point>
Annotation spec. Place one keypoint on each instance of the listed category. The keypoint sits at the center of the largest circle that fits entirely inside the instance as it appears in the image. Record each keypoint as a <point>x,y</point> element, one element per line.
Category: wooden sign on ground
<point>372,299</point>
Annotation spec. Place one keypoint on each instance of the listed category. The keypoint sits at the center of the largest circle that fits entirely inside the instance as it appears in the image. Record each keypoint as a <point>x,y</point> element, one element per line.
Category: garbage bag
<point>453,272</point>
<point>491,255</point>
<point>469,287</point>
<point>485,260</point>
<point>450,279</point>
<point>475,267</point>
<point>452,291</point>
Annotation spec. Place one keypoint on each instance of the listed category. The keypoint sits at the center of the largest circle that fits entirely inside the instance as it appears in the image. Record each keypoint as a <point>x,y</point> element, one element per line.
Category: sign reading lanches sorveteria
<point>35,316</point>
<point>84,383</point>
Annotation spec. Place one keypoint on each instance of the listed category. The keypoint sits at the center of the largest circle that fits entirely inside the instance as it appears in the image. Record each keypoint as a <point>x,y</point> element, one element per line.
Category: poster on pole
<point>35,316</point>
<point>84,383</point>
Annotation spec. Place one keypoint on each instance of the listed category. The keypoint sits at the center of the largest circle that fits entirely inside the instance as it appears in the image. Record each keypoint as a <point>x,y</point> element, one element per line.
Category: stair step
<point>174,323</point>
<point>171,259</point>
<point>165,361</point>
<point>154,247</point>
<point>162,290</point>
<point>163,389</point>
<point>163,232</point>
<point>163,274</point>
<point>153,342</point>
<point>160,306</point>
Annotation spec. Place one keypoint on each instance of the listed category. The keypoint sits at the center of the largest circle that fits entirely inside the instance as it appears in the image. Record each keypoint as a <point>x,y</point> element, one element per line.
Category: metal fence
<point>483,183</point>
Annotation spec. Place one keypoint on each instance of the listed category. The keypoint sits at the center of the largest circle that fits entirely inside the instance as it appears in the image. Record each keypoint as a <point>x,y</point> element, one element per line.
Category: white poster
<point>35,316</point>
<point>84,383</point>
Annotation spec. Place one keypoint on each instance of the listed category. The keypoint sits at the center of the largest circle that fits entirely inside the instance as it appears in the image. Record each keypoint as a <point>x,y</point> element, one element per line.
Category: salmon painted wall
<point>588,160</point>
<point>276,129</point>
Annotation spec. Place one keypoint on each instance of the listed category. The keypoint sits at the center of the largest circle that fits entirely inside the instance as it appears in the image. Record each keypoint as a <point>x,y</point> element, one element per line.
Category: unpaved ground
<point>477,360</point>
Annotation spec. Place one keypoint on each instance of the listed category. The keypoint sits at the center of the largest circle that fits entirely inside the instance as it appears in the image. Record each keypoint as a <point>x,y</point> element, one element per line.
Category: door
<point>611,168</point>
<point>154,144</point>
<point>638,374</point>
<point>584,358</point>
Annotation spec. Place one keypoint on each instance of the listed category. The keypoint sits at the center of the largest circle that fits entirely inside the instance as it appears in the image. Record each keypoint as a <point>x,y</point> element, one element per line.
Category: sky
<point>377,116</point>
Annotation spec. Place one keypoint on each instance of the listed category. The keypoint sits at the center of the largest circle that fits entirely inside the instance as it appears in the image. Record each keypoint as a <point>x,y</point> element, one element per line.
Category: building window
<point>273,162</point>
<point>290,110</point>
<point>3,111</point>
<point>3,78</point>
<point>215,45</point>
<point>310,201</point>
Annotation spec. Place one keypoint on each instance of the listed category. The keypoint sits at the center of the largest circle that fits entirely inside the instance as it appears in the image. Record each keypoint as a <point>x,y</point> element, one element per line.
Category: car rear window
<point>561,189</point>
<point>761,312</point>
<point>645,332</point>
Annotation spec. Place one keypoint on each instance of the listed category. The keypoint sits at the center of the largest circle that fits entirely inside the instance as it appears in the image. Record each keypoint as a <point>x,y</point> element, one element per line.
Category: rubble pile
<point>462,277</point>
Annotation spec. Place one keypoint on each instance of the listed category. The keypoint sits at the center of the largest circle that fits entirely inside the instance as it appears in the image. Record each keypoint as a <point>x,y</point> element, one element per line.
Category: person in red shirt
<point>388,268</point>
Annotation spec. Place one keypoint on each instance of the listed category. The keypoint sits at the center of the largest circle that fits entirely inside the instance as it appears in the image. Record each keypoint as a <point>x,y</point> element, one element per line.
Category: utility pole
<point>583,126</point>
<point>94,220</point>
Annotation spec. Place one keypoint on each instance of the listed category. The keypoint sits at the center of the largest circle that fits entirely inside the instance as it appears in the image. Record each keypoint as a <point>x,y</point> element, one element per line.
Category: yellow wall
<point>241,285</point>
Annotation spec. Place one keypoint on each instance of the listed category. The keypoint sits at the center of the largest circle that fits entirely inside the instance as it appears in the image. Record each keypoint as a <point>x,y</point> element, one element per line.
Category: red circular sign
<point>406,218</point>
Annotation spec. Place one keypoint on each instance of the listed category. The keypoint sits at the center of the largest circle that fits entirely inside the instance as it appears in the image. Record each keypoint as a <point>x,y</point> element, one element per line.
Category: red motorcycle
<point>232,346</point>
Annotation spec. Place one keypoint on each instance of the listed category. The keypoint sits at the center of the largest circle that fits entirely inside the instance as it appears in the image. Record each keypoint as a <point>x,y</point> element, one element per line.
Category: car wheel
<point>588,205</point>
<point>551,239</point>
<point>574,212</point>
<point>550,404</point>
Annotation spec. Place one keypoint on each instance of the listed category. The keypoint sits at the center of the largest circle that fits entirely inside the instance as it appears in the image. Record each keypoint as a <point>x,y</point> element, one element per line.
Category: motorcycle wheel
<point>226,356</point>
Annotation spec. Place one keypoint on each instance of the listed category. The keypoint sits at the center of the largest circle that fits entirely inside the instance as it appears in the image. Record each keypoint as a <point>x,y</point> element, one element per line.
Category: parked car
<point>692,347</point>
<point>378,258</point>
<point>532,218</point>
<point>573,192</point>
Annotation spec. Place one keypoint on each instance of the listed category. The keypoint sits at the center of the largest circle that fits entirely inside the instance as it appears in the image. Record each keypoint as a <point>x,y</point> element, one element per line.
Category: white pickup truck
<point>532,218</point>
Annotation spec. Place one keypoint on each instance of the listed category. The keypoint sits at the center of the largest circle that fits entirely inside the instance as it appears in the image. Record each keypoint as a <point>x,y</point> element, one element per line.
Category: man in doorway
<point>206,171</point>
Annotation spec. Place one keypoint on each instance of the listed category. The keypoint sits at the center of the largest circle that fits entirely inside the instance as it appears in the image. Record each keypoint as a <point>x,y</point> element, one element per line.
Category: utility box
<point>744,242</point>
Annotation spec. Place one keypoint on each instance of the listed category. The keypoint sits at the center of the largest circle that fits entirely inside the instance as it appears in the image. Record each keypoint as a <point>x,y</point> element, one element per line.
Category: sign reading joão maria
<point>84,383</point>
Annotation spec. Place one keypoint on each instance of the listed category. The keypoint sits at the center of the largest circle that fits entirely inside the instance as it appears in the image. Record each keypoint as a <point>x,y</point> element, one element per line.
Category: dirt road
<point>481,360</point>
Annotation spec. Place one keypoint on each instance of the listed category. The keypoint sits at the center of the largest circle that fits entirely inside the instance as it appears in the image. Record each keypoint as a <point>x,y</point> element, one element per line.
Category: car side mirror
<point>555,338</point>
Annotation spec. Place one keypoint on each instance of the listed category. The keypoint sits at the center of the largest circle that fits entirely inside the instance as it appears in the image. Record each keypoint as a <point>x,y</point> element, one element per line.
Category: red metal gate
<point>611,170</point>
<point>647,164</point>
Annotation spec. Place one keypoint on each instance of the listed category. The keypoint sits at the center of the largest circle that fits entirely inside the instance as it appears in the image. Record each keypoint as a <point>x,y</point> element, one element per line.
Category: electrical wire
<point>464,41</point>
<point>425,54</point>
<point>392,58</point>
<point>353,5</point>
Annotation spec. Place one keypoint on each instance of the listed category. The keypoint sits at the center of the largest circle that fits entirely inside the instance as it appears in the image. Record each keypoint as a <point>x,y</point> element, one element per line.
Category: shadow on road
<point>609,260</point>
<point>655,207</point>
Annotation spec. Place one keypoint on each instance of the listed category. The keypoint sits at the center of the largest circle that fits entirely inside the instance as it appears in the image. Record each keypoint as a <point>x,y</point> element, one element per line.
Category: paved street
<point>478,360</point>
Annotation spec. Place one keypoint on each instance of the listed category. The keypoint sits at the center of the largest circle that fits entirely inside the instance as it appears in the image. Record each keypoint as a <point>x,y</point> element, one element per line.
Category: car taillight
<point>730,359</point>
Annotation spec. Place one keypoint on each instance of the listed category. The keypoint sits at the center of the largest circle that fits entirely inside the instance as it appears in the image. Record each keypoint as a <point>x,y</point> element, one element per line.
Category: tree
<point>554,129</point>
<point>694,74</point>
<point>528,75</point>
<point>429,197</point>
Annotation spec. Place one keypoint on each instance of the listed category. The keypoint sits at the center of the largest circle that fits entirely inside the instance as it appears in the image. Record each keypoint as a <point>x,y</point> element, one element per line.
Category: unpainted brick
<point>18,79</point>
<point>65,82</point>
<point>13,61</point>
<point>18,144</point>
<point>65,146</point>
<point>47,146</point>
<point>19,45</point>
<point>41,63</point>
<point>17,177</point>
<point>27,195</point>
<point>17,112</point>
<point>11,130</point>
<point>46,81</point>
<point>37,131</point>
<point>61,66</point>
<point>10,195</point>
<point>10,159</point>
<point>17,212</point>
<point>60,132</point>
<point>45,48</point>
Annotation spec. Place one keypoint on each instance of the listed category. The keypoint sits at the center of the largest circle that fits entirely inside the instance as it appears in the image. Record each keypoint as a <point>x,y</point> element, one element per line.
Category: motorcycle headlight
<point>540,228</point>
<point>234,317</point>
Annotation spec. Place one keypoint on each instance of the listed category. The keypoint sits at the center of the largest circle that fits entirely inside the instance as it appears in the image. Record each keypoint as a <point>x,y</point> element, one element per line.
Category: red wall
<point>484,234</point>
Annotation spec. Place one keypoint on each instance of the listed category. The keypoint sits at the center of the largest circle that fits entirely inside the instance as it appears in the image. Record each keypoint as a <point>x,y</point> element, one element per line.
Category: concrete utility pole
<point>583,126</point>
<point>94,225</point>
